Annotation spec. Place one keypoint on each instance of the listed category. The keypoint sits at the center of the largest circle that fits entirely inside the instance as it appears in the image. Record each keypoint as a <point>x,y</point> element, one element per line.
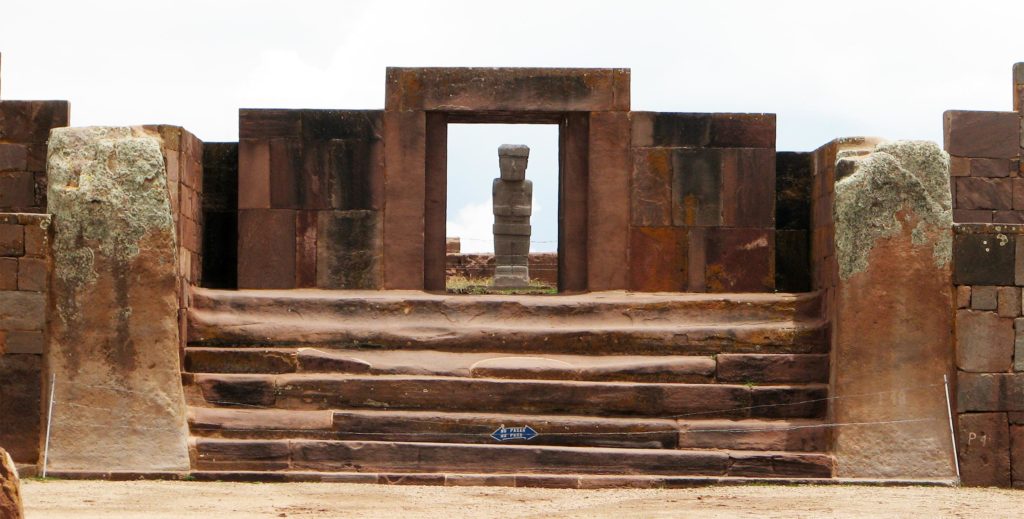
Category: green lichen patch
<point>909,176</point>
<point>107,189</point>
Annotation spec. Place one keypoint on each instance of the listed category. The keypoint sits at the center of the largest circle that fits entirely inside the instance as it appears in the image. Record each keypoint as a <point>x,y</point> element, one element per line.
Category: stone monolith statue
<point>512,197</point>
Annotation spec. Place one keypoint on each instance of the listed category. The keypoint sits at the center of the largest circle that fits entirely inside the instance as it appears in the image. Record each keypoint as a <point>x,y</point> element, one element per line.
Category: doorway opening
<point>472,164</point>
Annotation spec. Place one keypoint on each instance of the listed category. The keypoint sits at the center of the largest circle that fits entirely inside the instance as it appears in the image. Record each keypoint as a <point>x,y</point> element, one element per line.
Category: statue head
<point>512,160</point>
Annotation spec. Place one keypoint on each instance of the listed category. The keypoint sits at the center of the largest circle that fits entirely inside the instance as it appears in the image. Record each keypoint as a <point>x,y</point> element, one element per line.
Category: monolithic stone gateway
<point>725,311</point>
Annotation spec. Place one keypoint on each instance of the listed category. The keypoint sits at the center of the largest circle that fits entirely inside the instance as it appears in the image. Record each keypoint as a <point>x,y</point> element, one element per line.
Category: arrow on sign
<point>514,433</point>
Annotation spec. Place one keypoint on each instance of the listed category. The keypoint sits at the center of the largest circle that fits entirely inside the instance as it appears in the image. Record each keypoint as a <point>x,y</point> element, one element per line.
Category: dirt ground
<point>184,500</point>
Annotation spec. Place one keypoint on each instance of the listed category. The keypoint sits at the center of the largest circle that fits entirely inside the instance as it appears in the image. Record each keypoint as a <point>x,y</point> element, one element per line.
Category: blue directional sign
<point>514,433</point>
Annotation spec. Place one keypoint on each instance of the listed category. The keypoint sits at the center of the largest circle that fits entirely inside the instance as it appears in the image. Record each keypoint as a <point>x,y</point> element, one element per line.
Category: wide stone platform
<point>412,385</point>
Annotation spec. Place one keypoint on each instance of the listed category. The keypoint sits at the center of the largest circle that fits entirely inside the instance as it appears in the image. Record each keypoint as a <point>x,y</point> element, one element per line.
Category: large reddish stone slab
<point>1017,455</point>
<point>982,392</point>
<point>608,203</point>
<point>20,393</point>
<point>114,330</point>
<point>507,89</point>
<point>743,130</point>
<point>739,260</point>
<point>984,341</point>
<point>671,129</point>
<point>651,187</point>
<point>748,187</point>
<point>696,187</point>
<point>984,259</point>
<point>982,134</point>
<point>984,448</point>
<point>29,122</point>
<point>266,248</point>
<point>348,249</point>
<point>658,257</point>
<point>893,313</point>
<point>405,191</point>
<point>984,193</point>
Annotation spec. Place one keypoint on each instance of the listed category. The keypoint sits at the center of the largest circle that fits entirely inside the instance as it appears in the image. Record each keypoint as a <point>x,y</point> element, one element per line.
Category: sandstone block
<point>254,174</point>
<point>37,240</point>
<point>984,297</point>
<point>893,230</point>
<point>266,248</point>
<point>114,333</point>
<point>658,259</point>
<point>12,239</point>
<point>22,310</point>
<point>348,250</point>
<point>1009,301</point>
<point>982,134</point>
<point>984,259</point>
<point>740,260</point>
<point>696,187</point>
<point>991,167</point>
<point>21,341</point>
<point>32,274</point>
<point>17,190</point>
<point>984,341</point>
<point>1018,346</point>
<point>668,129</point>
<point>651,196</point>
<point>20,395</point>
<point>8,273</point>
<point>11,506</point>
<point>748,187</point>
<point>963,296</point>
<point>984,449</point>
<point>13,157</point>
<point>987,392</point>
<point>984,193</point>
<point>743,130</point>
<point>268,124</point>
<point>972,215</point>
<point>30,121</point>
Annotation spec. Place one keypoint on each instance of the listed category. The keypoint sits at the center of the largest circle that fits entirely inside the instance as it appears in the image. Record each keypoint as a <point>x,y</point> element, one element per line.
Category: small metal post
<point>49,422</point>
<point>952,434</point>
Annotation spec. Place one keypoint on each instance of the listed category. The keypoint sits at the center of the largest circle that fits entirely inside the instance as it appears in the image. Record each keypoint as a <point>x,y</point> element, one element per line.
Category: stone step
<point>377,456</point>
<point>736,368</point>
<point>601,323</point>
<point>400,392</point>
<point>439,427</point>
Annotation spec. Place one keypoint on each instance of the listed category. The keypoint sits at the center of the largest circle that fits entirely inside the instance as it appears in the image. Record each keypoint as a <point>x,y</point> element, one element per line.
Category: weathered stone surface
<point>11,506</point>
<point>984,450</point>
<point>984,341</point>
<point>739,260</point>
<point>982,134</point>
<point>266,248</point>
<point>1018,345</point>
<point>893,312</point>
<point>671,129</point>
<point>748,187</point>
<point>348,249</point>
<point>984,259</point>
<point>772,368</point>
<point>986,392</point>
<point>114,334</point>
<point>963,296</point>
<point>696,187</point>
<point>514,89</point>
<point>651,196</point>
<point>1009,301</point>
<point>20,391</point>
<point>22,310</point>
<point>658,259</point>
<point>984,297</point>
<point>1017,455</point>
<point>984,193</point>
<point>13,157</point>
<point>743,130</point>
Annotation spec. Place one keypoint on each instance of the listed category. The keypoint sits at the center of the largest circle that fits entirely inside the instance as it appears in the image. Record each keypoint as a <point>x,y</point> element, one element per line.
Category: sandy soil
<point>183,500</point>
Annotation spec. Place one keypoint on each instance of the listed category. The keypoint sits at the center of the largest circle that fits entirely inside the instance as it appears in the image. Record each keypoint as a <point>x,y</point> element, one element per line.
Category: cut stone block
<point>984,297</point>
<point>988,392</point>
<point>696,187</point>
<point>669,129</point>
<point>982,134</point>
<point>658,259</point>
<point>984,193</point>
<point>266,248</point>
<point>740,260</point>
<point>984,450</point>
<point>348,250</point>
<point>963,296</point>
<point>984,259</point>
<point>984,341</point>
<point>114,333</point>
<point>651,197</point>
<point>1009,301</point>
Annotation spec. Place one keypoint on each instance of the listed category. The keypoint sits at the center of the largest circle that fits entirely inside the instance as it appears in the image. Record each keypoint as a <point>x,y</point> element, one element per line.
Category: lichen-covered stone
<point>10,493</point>
<point>875,201</point>
<point>113,327</point>
<point>893,311</point>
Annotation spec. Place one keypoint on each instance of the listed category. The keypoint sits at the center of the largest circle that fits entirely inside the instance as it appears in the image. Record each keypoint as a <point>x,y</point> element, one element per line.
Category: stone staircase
<point>623,389</point>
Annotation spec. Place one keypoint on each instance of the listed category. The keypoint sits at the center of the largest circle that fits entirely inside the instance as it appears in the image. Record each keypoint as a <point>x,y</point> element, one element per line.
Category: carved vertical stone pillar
<point>512,197</point>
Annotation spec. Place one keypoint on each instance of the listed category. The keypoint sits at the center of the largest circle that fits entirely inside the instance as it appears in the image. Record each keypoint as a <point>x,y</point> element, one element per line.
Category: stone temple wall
<point>985,150</point>
<point>702,202</point>
<point>24,262</point>
<point>309,186</point>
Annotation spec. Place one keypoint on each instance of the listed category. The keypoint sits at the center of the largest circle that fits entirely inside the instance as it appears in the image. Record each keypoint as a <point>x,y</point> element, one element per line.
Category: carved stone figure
<point>512,198</point>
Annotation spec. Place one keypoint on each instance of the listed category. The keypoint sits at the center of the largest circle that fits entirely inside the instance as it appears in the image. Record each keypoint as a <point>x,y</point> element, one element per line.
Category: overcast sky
<point>827,69</point>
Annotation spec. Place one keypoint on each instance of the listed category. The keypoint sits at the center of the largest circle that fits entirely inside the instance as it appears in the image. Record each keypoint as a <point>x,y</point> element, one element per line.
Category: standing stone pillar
<point>118,401</point>
<point>512,197</point>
